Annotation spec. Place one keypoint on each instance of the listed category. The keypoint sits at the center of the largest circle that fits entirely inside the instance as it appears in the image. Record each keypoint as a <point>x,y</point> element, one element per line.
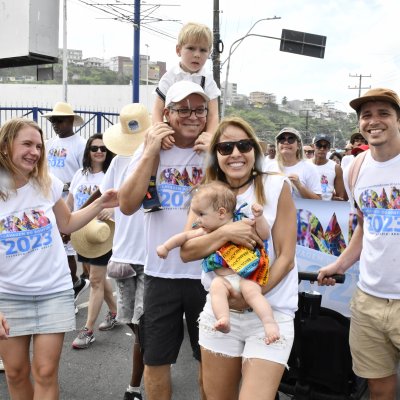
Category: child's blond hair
<point>194,32</point>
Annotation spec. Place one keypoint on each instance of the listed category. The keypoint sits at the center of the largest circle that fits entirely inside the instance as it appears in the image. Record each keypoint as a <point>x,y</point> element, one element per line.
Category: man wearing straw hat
<point>172,288</point>
<point>65,155</point>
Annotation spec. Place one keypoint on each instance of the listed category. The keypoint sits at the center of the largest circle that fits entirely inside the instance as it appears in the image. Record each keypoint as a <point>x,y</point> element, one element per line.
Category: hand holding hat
<point>95,239</point>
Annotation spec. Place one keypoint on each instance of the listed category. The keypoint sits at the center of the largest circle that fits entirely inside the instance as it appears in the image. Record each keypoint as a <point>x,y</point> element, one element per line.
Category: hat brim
<point>357,103</point>
<point>120,143</point>
<point>88,249</point>
<point>78,120</point>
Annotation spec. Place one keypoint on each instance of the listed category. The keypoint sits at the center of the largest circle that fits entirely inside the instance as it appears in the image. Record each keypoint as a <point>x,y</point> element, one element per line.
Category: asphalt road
<point>103,370</point>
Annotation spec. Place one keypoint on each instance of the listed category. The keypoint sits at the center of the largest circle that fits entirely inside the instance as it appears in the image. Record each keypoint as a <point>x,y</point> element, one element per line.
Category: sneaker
<point>151,201</point>
<point>84,339</point>
<point>79,287</point>
<point>132,396</point>
<point>2,369</point>
<point>109,322</point>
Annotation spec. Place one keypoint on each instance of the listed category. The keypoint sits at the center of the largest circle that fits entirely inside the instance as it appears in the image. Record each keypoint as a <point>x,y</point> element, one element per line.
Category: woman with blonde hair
<point>36,294</point>
<point>247,366</point>
<point>290,158</point>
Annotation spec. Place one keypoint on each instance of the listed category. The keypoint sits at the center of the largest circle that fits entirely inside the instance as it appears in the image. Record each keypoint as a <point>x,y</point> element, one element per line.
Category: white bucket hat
<point>126,136</point>
<point>95,239</point>
<point>64,110</point>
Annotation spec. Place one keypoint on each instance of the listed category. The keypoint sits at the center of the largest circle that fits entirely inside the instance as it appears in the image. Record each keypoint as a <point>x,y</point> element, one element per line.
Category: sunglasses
<point>321,146</point>
<point>309,151</point>
<point>54,120</point>
<point>95,149</point>
<point>226,148</point>
<point>289,139</point>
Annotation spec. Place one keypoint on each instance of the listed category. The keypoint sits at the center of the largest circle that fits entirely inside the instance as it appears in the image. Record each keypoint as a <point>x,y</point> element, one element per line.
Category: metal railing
<point>95,121</point>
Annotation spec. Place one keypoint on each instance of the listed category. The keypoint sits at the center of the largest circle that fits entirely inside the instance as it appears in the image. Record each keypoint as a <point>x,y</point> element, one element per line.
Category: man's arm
<point>340,192</point>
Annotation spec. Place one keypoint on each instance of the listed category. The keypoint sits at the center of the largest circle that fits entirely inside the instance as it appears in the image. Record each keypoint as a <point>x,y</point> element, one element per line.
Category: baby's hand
<point>168,142</point>
<point>162,251</point>
<point>257,209</point>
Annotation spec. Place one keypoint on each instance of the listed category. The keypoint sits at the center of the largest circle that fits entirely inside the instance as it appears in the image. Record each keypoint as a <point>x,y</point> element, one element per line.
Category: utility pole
<point>216,49</point>
<point>359,87</point>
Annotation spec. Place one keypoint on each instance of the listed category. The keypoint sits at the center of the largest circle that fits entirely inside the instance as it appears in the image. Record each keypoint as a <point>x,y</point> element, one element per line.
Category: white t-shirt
<point>129,240</point>
<point>204,78</point>
<point>377,193</point>
<point>327,175</point>
<point>284,296</point>
<point>346,161</point>
<point>65,156</point>
<point>32,256</point>
<point>308,176</point>
<point>178,170</point>
<point>83,186</point>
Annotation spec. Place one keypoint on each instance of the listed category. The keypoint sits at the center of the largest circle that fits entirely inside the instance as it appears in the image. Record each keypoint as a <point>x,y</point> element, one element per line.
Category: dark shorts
<point>101,261</point>
<point>162,325</point>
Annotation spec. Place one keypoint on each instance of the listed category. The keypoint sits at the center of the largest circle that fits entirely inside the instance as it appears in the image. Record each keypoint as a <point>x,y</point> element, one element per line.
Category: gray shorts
<point>130,297</point>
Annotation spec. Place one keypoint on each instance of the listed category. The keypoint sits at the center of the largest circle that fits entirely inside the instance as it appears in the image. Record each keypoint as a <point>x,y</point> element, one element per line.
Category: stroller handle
<point>312,277</point>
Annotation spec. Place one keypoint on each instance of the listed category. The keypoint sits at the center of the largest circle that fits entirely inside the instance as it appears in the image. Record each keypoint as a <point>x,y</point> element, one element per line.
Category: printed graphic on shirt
<point>23,234</point>
<point>174,187</point>
<point>381,209</point>
<point>83,193</point>
<point>56,157</point>
<point>324,183</point>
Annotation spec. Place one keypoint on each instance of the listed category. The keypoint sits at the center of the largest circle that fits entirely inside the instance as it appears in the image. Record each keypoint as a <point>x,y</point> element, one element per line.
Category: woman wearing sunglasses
<point>96,160</point>
<point>248,368</point>
<point>290,157</point>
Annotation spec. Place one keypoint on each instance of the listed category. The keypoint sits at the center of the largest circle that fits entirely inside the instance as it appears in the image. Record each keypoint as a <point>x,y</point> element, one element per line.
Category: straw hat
<point>62,110</point>
<point>126,136</point>
<point>95,239</point>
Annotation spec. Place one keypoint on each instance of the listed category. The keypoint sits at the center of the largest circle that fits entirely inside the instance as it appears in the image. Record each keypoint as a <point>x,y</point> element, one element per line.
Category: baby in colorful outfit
<point>245,270</point>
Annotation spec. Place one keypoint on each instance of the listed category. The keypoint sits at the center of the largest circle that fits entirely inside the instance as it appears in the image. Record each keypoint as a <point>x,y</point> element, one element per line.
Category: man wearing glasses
<point>308,151</point>
<point>356,140</point>
<point>172,288</point>
<point>330,173</point>
<point>65,157</point>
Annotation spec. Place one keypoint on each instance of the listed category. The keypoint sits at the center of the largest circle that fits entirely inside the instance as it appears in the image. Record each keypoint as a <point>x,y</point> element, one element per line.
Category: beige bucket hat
<point>64,110</point>
<point>126,136</point>
<point>95,239</point>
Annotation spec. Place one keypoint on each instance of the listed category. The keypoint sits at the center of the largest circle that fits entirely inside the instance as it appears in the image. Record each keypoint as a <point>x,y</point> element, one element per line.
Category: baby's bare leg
<point>251,292</point>
<point>219,302</point>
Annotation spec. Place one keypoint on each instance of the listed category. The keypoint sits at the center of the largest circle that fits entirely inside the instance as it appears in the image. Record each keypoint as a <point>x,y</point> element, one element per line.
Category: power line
<point>359,87</point>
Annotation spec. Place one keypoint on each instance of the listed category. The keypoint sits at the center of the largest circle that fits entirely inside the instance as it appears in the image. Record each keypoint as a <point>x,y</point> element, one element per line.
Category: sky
<point>361,40</point>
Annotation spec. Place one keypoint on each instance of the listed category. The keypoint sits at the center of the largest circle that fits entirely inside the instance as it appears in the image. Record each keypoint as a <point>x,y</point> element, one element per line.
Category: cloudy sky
<point>361,40</point>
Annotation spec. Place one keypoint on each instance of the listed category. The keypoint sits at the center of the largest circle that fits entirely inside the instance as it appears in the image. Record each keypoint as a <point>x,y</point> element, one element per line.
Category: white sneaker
<point>1,365</point>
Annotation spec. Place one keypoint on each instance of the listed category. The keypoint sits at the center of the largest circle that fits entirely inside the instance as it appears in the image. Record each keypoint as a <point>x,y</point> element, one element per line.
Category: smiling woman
<point>36,296</point>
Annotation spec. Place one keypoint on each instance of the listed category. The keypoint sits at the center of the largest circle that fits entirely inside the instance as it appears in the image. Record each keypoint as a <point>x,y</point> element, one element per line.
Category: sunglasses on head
<point>321,146</point>
<point>289,139</point>
<point>95,149</point>
<point>226,148</point>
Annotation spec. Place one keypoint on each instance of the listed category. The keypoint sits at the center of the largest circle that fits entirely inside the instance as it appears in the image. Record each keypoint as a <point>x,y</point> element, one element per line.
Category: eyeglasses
<point>226,148</point>
<point>187,112</point>
<point>348,149</point>
<point>309,151</point>
<point>322,146</point>
<point>95,149</point>
<point>289,139</point>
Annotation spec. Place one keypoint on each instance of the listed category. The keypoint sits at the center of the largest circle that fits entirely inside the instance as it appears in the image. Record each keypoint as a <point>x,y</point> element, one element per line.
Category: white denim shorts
<point>130,297</point>
<point>33,315</point>
<point>246,338</point>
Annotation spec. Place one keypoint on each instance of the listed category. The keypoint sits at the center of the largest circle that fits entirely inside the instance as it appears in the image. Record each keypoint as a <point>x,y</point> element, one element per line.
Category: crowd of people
<point>216,245</point>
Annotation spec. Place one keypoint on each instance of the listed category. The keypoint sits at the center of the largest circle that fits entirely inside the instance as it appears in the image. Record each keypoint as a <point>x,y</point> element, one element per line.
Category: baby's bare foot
<point>271,332</point>
<point>223,325</point>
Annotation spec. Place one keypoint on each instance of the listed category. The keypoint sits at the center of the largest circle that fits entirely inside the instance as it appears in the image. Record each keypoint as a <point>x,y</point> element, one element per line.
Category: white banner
<point>323,231</point>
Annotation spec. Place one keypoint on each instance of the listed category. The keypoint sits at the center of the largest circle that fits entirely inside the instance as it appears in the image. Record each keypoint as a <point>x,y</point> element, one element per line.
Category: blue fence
<point>95,121</point>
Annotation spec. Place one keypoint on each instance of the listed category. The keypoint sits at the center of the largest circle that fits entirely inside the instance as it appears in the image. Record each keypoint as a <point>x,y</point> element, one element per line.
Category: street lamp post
<point>229,62</point>
<point>231,51</point>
